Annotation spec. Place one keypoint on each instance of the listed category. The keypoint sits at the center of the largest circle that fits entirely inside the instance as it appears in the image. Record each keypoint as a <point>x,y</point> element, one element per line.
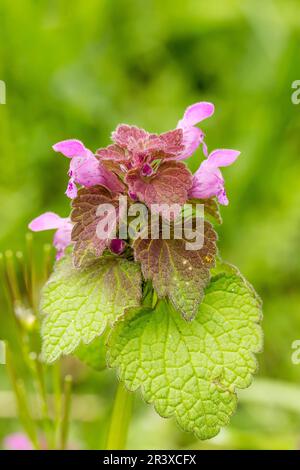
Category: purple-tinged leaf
<point>169,185</point>
<point>86,219</point>
<point>177,272</point>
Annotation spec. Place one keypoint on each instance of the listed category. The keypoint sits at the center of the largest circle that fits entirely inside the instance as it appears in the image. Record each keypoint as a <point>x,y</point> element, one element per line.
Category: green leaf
<point>191,370</point>
<point>78,304</point>
<point>177,272</point>
<point>93,354</point>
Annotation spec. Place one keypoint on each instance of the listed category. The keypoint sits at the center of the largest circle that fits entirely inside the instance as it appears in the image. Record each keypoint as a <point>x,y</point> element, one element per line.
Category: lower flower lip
<point>117,246</point>
<point>147,170</point>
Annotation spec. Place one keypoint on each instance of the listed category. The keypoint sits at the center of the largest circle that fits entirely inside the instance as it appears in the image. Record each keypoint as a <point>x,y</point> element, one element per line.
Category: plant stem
<point>11,276</point>
<point>56,382</point>
<point>46,262</point>
<point>120,419</point>
<point>31,273</point>
<point>22,401</point>
<point>39,379</point>
<point>66,411</point>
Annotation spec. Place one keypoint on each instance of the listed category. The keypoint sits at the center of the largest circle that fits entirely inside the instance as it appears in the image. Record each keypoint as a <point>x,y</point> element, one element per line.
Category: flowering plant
<point>171,317</point>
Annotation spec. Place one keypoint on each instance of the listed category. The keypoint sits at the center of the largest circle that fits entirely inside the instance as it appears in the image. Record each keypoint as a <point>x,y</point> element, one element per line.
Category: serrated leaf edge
<point>130,313</point>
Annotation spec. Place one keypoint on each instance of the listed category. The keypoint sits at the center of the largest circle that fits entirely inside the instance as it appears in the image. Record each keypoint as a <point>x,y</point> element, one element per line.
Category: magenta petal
<point>71,148</point>
<point>222,157</point>
<point>46,221</point>
<point>206,184</point>
<point>196,113</point>
<point>85,171</point>
<point>192,138</point>
<point>205,149</point>
<point>133,195</point>
<point>62,238</point>
<point>117,246</point>
<point>222,198</point>
<point>147,170</point>
<point>71,191</point>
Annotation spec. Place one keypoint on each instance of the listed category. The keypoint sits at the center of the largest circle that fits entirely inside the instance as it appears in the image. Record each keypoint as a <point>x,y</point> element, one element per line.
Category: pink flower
<point>139,157</point>
<point>136,148</point>
<point>50,221</point>
<point>193,136</point>
<point>85,169</point>
<point>208,180</point>
<point>17,441</point>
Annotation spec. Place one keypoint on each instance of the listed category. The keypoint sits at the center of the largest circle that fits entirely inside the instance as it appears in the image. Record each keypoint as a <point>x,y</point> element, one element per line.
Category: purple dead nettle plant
<point>177,322</point>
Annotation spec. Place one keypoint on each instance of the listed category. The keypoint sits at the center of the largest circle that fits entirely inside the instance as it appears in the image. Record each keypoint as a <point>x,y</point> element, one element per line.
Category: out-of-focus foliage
<point>77,69</point>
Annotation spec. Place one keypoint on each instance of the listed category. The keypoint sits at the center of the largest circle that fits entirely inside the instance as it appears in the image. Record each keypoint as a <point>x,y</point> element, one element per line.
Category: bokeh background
<point>77,69</point>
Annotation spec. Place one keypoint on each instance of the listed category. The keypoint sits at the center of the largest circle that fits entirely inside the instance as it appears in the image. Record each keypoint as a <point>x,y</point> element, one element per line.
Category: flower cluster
<point>145,166</point>
<point>143,288</point>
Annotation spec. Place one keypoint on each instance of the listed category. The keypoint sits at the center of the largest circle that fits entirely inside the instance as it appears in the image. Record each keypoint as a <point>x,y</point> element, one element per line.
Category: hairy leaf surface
<point>178,272</point>
<point>169,185</point>
<point>88,244</point>
<point>93,354</point>
<point>191,370</point>
<point>79,304</point>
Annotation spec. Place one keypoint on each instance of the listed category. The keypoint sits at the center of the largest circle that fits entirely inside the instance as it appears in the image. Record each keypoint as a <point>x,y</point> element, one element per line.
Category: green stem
<point>56,381</point>
<point>31,273</point>
<point>22,401</point>
<point>66,411</point>
<point>46,262</point>
<point>12,277</point>
<point>39,380</point>
<point>120,419</point>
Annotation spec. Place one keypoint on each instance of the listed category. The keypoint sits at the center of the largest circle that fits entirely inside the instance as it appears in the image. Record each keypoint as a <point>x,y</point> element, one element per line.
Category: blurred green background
<point>77,69</point>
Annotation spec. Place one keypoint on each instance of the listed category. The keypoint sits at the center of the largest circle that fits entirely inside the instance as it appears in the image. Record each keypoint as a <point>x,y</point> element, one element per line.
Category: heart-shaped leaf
<point>78,304</point>
<point>191,370</point>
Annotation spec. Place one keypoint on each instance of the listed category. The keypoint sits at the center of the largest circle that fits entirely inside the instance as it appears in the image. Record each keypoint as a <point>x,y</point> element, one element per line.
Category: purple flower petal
<point>222,157</point>
<point>46,221</point>
<point>208,180</point>
<point>192,138</point>
<point>62,239</point>
<point>71,148</point>
<point>196,113</point>
<point>222,198</point>
<point>86,171</point>
<point>117,246</point>
<point>205,149</point>
<point>132,195</point>
<point>206,184</point>
<point>147,170</point>
<point>50,221</point>
<point>71,191</point>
